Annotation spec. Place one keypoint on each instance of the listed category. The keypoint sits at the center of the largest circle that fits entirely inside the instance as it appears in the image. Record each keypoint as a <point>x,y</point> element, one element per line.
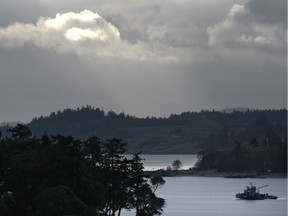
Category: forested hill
<point>188,132</point>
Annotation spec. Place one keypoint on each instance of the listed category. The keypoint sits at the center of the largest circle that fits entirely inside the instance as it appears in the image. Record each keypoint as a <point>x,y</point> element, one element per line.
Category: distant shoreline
<point>212,173</point>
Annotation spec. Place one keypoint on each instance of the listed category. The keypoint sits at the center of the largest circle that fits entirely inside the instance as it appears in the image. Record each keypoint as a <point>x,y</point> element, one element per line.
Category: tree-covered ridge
<point>188,132</point>
<point>60,175</point>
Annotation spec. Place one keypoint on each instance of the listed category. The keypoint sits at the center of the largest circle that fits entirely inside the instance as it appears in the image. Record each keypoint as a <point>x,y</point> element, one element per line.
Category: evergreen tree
<point>143,196</point>
<point>114,168</point>
<point>60,175</point>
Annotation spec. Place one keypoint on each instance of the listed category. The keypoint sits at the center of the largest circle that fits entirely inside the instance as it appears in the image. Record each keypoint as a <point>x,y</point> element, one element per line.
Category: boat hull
<point>254,197</point>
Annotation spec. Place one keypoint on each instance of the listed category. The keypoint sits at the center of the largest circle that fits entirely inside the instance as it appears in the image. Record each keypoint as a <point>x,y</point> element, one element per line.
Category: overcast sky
<point>146,58</point>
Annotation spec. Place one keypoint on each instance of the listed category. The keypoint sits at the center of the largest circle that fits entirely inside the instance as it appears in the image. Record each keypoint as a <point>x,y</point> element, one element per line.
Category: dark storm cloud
<point>267,11</point>
<point>20,11</point>
<point>35,82</point>
<point>140,57</point>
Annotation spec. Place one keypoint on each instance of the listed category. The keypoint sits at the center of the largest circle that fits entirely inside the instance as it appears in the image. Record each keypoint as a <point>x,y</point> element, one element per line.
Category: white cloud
<point>58,33</point>
<point>18,34</point>
<point>241,38</point>
<point>77,34</point>
<point>235,29</point>
<point>236,8</point>
<point>85,16</point>
<point>227,30</point>
<point>135,35</point>
<point>85,33</point>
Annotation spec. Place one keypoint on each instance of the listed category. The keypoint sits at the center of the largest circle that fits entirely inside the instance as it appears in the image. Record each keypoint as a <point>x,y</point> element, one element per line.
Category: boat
<point>252,193</point>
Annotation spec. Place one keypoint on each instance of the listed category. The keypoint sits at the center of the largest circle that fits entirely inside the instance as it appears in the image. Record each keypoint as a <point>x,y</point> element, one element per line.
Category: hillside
<point>188,132</point>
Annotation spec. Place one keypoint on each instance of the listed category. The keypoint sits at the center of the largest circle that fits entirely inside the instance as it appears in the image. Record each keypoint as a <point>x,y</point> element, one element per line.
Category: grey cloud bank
<point>142,58</point>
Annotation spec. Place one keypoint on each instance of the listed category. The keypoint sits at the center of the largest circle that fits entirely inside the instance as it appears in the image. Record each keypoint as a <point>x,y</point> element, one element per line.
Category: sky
<point>143,58</point>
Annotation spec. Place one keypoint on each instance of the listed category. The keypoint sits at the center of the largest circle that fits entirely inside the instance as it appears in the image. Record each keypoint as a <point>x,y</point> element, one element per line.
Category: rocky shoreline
<point>213,173</point>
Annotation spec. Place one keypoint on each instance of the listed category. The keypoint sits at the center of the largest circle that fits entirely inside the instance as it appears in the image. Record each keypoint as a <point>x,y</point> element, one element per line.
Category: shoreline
<point>213,173</point>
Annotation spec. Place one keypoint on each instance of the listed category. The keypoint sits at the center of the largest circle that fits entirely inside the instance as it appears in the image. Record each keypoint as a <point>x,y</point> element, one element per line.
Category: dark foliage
<point>60,175</point>
<point>270,155</point>
<point>187,132</point>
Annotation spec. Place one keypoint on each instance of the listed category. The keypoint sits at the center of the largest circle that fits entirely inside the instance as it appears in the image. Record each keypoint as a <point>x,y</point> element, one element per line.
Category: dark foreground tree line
<point>59,175</point>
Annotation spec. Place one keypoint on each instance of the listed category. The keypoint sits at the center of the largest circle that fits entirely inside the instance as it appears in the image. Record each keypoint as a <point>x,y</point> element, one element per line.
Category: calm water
<point>155,162</point>
<point>213,196</point>
<point>203,196</point>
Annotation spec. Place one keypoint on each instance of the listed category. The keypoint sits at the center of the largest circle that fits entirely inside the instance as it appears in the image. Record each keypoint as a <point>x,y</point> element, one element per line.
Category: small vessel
<point>252,193</point>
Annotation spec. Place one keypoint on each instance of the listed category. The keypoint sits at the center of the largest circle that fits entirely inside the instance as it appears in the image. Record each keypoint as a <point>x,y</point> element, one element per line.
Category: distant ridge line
<point>237,109</point>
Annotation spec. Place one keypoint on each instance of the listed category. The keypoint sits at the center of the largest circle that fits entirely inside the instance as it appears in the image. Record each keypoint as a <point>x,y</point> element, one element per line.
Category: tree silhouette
<point>177,164</point>
<point>144,199</point>
<point>60,175</point>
